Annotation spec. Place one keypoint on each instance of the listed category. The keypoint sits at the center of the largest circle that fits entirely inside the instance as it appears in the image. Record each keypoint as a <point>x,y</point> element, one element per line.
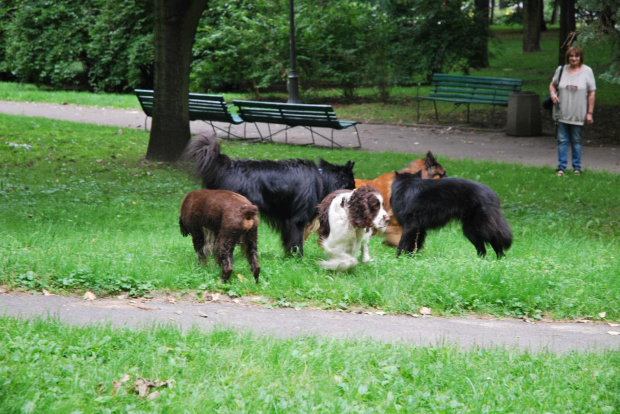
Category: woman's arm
<point>591,97</point>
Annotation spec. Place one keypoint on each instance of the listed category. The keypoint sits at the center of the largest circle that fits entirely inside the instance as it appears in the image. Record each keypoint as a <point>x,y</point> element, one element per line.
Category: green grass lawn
<point>50,367</point>
<point>81,211</point>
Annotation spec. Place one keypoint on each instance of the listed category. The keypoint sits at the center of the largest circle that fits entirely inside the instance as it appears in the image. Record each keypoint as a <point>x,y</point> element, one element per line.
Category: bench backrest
<point>474,87</point>
<point>202,107</point>
<point>288,114</point>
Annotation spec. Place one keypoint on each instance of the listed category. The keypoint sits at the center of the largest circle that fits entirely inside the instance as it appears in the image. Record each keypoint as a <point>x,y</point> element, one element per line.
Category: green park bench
<point>202,107</point>
<point>462,89</point>
<point>294,115</point>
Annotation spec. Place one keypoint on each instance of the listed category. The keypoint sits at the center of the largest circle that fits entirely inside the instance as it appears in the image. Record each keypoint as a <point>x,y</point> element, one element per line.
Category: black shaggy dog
<point>286,192</point>
<point>420,205</point>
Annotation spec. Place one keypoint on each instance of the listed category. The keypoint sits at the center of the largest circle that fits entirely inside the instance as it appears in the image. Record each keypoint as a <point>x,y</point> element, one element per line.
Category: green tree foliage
<point>91,44</point>
<point>45,40</point>
<point>243,44</point>
<point>120,52</point>
<point>437,36</point>
<point>601,23</point>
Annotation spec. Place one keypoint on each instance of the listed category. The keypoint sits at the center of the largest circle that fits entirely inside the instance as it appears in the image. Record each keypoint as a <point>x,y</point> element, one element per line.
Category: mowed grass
<point>47,366</point>
<point>81,210</point>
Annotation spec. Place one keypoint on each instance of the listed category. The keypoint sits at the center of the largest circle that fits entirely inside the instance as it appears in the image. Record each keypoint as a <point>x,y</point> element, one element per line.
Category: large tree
<point>480,58</point>
<point>567,28</point>
<point>175,27</point>
<point>531,26</point>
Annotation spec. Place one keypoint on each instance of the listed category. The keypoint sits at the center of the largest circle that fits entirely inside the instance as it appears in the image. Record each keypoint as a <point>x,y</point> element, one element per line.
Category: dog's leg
<point>198,240</point>
<point>339,262</point>
<point>226,243</point>
<point>250,245</point>
<point>293,237</point>
<point>470,230</point>
<point>365,241</point>
<point>412,240</point>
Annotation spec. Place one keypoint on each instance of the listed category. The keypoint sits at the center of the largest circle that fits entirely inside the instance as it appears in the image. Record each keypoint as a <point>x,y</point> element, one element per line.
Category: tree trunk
<point>175,27</point>
<point>554,15</point>
<point>480,58</point>
<point>543,23</point>
<point>531,26</point>
<point>567,28</point>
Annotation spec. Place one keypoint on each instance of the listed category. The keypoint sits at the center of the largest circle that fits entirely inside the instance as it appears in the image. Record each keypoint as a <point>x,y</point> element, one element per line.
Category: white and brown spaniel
<point>347,220</point>
<point>218,220</point>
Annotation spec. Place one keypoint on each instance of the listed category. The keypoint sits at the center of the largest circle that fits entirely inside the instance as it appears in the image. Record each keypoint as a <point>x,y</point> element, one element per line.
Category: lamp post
<point>293,78</point>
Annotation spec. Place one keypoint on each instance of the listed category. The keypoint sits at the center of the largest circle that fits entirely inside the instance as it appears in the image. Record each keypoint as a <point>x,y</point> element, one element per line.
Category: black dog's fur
<point>286,192</point>
<point>420,205</point>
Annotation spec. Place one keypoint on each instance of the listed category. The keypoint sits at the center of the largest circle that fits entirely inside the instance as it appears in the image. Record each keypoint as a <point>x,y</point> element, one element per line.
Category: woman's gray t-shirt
<point>573,92</point>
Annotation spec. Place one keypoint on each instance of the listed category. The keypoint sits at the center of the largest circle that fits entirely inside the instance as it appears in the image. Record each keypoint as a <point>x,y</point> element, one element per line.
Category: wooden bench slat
<point>202,107</point>
<point>293,115</point>
<point>464,89</point>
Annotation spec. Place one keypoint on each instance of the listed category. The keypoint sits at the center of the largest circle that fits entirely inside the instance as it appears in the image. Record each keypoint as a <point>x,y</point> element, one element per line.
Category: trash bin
<point>523,118</point>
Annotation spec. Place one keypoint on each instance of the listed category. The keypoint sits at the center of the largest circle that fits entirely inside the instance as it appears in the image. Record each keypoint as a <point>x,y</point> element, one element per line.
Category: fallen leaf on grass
<point>90,296</point>
<point>614,324</point>
<point>142,387</point>
<point>602,314</point>
<point>47,293</point>
<point>425,311</point>
<point>210,297</point>
<point>116,385</point>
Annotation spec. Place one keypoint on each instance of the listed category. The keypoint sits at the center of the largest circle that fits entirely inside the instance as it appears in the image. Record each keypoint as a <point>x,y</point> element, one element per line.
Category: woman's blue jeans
<point>568,133</point>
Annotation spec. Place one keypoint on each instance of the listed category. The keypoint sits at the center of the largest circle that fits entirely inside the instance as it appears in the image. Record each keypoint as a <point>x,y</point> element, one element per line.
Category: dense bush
<point>45,41</point>
<point>82,44</point>
<point>241,45</point>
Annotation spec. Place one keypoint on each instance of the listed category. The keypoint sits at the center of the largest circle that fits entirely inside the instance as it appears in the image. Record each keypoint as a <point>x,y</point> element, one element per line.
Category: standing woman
<point>574,99</point>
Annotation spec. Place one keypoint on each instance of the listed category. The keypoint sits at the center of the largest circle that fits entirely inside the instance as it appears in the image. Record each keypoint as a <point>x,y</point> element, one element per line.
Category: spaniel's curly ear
<point>364,206</point>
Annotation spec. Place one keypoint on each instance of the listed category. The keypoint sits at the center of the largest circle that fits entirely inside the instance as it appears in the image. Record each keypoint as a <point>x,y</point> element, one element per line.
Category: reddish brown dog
<point>218,220</point>
<point>429,168</point>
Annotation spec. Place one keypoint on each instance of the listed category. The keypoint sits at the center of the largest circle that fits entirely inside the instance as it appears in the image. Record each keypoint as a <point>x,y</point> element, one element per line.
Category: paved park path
<point>246,315</point>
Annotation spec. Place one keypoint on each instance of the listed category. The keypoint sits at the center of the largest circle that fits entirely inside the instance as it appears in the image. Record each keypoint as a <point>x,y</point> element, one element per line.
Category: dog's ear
<point>350,164</point>
<point>429,161</point>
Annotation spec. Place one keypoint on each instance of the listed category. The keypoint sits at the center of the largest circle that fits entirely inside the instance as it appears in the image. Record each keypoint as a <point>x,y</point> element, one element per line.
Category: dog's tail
<point>184,230</point>
<point>501,235</point>
<point>204,151</point>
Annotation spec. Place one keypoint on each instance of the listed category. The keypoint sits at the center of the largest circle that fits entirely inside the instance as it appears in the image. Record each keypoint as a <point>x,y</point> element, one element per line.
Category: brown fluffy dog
<point>428,168</point>
<point>218,220</point>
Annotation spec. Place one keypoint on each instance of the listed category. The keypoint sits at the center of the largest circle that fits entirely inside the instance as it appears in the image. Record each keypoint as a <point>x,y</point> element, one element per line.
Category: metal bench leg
<point>468,113</point>
<point>259,133</point>
<point>418,120</point>
<point>358,137</point>
<point>436,115</point>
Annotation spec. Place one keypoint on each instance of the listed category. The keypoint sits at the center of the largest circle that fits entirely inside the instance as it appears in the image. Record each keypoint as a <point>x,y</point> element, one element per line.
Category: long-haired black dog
<point>420,205</point>
<point>286,192</point>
